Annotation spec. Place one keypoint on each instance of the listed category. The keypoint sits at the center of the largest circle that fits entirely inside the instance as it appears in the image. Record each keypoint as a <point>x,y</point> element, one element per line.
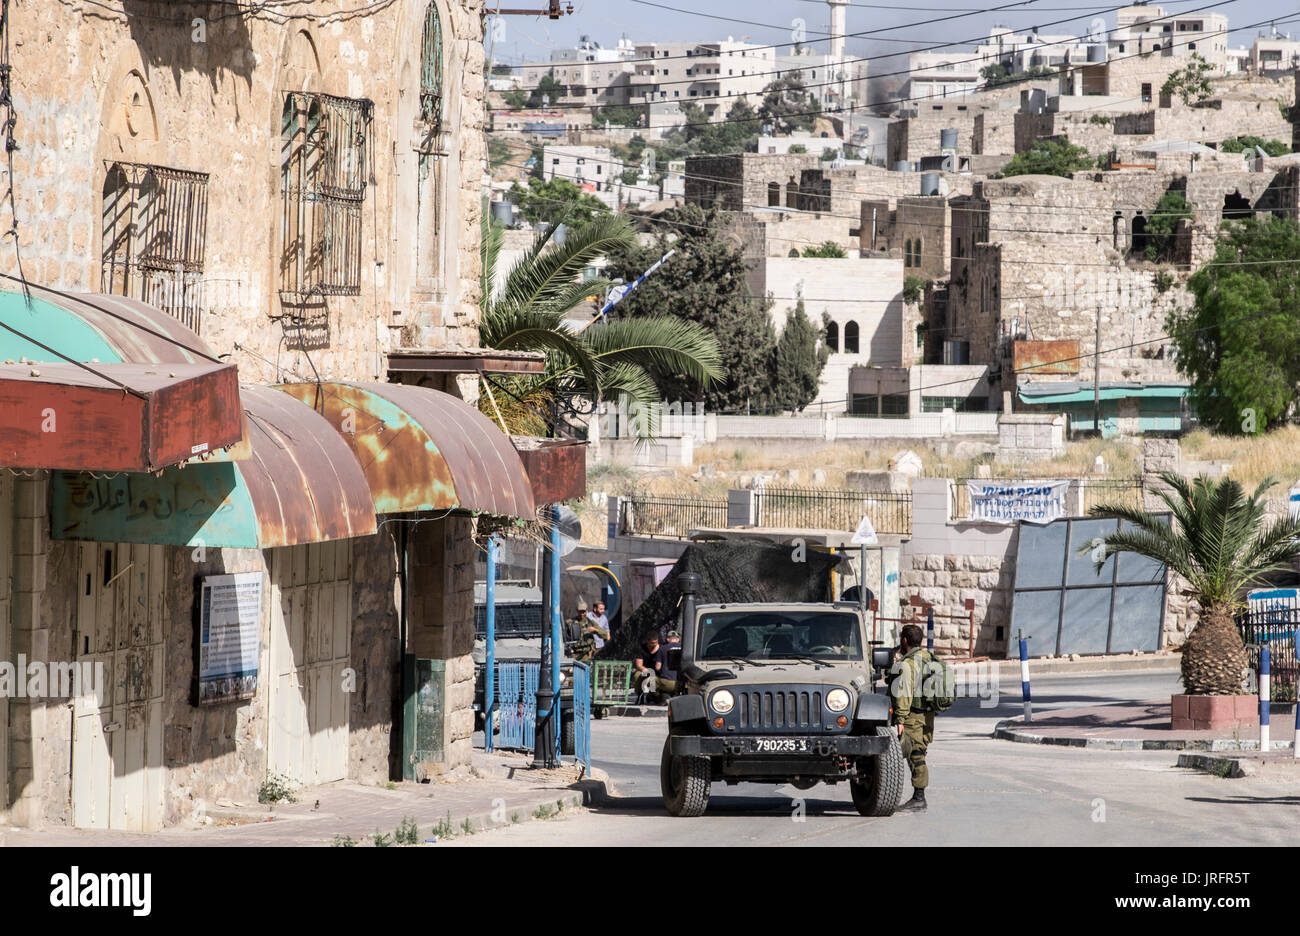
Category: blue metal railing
<point>517,704</point>
<point>582,714</point>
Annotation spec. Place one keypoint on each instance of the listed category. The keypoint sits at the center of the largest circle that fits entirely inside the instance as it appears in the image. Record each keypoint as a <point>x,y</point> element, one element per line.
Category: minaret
<point>836,63</point>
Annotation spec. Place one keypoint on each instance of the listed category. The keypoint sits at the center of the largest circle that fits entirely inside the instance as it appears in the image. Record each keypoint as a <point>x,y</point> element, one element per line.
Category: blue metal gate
<point>517,704</point>
<point>582,714</point>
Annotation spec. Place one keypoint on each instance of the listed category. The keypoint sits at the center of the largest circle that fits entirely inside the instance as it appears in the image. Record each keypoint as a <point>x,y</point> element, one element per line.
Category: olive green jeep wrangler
<point>779,693</point>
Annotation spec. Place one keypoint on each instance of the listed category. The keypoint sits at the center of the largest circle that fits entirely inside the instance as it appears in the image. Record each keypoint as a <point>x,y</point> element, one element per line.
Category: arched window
<point>833,336</point>
<point>916,257</point>
<point>851,338</point>
<point>907,253</point>
<point>431,68</point>
<point>774,194</point>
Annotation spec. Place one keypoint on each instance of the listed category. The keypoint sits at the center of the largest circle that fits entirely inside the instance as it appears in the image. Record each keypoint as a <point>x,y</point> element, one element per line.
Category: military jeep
<point>779,693</point>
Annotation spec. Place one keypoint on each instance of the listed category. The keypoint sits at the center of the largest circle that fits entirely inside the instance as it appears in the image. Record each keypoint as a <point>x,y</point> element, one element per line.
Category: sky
<point>532,38</point>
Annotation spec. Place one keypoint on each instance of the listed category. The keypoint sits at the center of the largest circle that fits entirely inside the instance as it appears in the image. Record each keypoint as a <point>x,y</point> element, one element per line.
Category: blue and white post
<point>929,629</point>
<point>490,645</point>
<point>1024,677</point>
<point>557,621</point>
<point>1295,745</point>
<point>1263,699</point>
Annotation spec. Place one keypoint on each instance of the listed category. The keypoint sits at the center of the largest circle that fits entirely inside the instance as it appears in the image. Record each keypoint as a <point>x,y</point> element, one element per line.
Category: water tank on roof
<point>1096,54</point>
<point>902,166</point>
<point>929,183</point>
<point>503,212</point>
<point>948,139</point>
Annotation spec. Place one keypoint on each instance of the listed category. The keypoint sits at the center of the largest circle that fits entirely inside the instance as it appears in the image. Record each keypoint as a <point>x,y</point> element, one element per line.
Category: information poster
<point>230,627</point>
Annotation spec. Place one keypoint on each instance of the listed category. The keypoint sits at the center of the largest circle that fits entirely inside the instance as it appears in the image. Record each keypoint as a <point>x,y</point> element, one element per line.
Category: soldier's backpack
<point>938,685</point>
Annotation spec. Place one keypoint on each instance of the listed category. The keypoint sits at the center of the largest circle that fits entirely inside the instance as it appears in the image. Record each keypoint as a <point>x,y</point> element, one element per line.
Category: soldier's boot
<point>916,803</point>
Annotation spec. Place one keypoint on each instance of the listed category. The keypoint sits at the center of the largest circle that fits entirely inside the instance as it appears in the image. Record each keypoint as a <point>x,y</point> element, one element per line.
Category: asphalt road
<point>982,792</point>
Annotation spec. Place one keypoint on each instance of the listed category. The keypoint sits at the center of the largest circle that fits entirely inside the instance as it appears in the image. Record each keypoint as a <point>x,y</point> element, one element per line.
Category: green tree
<point>1243,144</point>
<point>914,288</point>
<point>1220,543</point>
<point>516,100</point>
<point>1239,344</point>
<point>547,88</point>
<point>1191,83</point>
<point>606,361</point>
<point>1171,209</point>
<point>630,175</point>
<point>1050,157</point>
<point>705,279</point>
<point>699,135</point>
<point>830,155</point>
<point>996,75</point>
<point>798,361</point>
<point>797,148</point>
<point>827,250</point>
<point>618,115</point>
<point>555,201</point>
<point>787,106</point>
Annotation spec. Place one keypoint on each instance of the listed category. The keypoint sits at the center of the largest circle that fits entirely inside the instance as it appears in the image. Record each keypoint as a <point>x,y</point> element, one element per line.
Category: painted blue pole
<point>1024,677</point>
<point>490,642</point>
<point>557,639</point>
<point>1263,697</point>
<point>1295,745</point>
<point>929,629</point>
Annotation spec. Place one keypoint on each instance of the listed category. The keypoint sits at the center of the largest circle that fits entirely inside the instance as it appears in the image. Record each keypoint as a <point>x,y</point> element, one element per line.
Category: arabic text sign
<point>230,624</point>
<point>1009,501</point>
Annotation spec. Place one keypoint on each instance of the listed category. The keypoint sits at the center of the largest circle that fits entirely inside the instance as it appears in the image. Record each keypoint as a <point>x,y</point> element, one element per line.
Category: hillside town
<point>616,427</point>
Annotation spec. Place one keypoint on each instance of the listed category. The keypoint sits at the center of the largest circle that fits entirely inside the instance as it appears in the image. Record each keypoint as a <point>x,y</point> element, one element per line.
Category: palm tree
<point>1220,544</point>
<point>612,359</point>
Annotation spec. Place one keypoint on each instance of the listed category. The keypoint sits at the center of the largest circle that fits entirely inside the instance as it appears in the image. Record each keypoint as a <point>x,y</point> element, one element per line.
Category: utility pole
<point>1096,376</point>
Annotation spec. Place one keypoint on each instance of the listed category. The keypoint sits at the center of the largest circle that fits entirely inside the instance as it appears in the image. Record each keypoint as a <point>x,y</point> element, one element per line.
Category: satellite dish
<point>570,530</point>
<point>1097,31</point>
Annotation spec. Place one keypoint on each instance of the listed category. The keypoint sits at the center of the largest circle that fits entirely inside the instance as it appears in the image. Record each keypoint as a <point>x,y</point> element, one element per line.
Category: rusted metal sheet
<point>137,331</point>
<point>300,484</point>
<point>422,449</point>
<point>59,415</point>
<point>1036,358</point>
<point>465,361</point>
<point>557,468</point>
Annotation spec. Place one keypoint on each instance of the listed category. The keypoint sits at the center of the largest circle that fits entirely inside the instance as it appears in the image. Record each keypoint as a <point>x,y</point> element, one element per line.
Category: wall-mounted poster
<point>230,627</point>
<point>1009,501</point>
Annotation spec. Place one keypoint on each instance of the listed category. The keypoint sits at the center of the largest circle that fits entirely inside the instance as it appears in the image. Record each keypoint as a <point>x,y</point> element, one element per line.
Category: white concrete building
<point>1145,28</point>
<point>956,72</point>
<point>861,298</point>
<point>591,168</point>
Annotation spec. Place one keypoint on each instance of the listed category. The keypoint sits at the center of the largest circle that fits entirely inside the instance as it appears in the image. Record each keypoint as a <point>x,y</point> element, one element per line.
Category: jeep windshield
<point>779,635</point>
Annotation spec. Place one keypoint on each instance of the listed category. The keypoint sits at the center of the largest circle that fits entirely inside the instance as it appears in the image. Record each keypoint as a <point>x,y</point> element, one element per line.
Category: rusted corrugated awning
<point>300,484</point>
<point>422,449</point>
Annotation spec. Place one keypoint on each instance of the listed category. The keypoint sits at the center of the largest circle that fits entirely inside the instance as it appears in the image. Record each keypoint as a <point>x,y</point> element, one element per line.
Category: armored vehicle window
<point>779,635</point>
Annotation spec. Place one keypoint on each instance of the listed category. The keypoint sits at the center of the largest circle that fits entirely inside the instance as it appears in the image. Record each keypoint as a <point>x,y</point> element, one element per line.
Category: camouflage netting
<point>730,571</point>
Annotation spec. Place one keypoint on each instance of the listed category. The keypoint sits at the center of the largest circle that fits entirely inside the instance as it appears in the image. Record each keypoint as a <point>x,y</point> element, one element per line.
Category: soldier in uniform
<point>915,722</point>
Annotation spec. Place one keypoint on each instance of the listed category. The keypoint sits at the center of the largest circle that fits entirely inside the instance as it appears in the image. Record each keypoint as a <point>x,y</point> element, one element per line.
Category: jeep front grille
<point>780,709</point>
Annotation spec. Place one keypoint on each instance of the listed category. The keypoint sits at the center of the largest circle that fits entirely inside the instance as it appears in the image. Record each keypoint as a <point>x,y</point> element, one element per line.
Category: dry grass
<point>1273,455</point>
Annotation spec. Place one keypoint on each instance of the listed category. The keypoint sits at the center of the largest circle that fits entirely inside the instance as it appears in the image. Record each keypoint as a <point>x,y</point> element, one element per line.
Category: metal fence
<point>517,704</point>
<point>1276,628</point>
<point>671,516</point>
<point>582,714</point>
<point>818,508</point>
<point>1090,493</point>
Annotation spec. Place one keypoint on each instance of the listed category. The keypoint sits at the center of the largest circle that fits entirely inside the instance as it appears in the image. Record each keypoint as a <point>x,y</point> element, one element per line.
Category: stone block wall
<point>374,749</point>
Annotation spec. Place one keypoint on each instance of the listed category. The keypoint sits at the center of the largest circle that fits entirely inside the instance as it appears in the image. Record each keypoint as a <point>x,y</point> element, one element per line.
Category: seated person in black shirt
<point>650,668</point>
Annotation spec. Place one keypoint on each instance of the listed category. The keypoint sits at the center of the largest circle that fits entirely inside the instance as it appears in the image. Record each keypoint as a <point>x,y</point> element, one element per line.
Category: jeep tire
<point>879,786</point>
<point>685,781</point>
<point>568,733</point>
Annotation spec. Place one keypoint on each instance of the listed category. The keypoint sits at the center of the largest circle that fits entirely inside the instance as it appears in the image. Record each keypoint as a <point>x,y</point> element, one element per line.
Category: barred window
<point>431,69</point>
<point>154,227</point>
<point>323,183</point>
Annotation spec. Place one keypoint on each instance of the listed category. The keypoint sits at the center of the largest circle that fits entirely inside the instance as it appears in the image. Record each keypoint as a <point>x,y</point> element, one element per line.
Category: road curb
<point>1229,767</point>
<point>1012,730</point>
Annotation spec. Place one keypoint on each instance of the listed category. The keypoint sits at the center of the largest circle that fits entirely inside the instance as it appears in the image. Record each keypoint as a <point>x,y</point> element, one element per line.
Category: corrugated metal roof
<point>1071,391</point>
<point>422,449</point>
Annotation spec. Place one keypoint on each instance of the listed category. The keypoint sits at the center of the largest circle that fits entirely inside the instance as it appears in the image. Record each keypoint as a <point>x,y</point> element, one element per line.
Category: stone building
<point>256,236</point>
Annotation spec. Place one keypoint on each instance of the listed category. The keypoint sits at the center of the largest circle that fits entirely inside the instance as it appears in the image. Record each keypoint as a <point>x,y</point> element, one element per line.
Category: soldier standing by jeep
<point>915,719</point>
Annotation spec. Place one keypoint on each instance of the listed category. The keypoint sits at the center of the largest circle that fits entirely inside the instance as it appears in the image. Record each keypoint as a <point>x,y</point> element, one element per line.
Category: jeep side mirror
<point>675,659</point>
<point>882,657</point>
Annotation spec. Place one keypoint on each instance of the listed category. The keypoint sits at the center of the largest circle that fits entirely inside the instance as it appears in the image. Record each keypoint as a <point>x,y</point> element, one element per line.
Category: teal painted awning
<point>299,484</point>
<point>1065,392</point>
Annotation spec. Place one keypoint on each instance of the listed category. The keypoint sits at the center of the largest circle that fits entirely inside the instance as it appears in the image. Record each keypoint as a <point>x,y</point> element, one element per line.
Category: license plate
<point>780,745</point>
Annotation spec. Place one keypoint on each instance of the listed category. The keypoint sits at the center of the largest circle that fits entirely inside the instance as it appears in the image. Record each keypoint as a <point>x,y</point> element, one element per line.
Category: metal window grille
<point>154,232</point>
<point>431,69</point>
<point>671,516</point>
<point>323,183</point>
<point>823,509</point>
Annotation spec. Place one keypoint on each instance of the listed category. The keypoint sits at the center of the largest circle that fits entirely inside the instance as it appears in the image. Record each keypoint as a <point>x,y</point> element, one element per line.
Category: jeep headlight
<point>837,700</point>
<point>722,701</point>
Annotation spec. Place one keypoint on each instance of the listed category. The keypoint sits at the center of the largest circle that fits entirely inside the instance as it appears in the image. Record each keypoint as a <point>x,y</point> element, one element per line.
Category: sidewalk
<point>1136,726</point>
<point>505,791</point>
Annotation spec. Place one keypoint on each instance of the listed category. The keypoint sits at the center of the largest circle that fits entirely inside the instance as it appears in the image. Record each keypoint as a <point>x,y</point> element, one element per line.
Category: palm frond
<point>667,343</point>
<point>539,276</point>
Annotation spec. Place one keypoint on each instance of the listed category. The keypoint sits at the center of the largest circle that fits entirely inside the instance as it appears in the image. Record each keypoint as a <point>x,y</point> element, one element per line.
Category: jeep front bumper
<point>778,746</point>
